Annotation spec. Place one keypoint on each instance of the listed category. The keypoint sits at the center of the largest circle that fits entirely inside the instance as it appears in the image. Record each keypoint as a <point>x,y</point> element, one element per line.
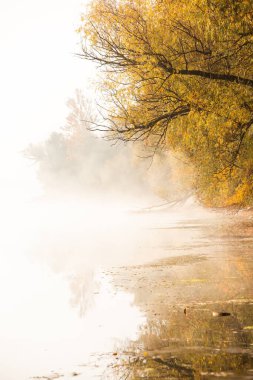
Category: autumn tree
<point>178,74</point>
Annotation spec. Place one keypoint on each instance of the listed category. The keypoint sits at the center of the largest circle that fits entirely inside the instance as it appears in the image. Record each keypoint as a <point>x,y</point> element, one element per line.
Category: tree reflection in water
<point>182,297</point>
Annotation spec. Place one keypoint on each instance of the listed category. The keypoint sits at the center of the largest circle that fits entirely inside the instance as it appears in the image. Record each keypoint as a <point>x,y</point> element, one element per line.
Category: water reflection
<point>187,335</point>
<point>43,337</point>
<point>57,308</point>
<point>94,292</point>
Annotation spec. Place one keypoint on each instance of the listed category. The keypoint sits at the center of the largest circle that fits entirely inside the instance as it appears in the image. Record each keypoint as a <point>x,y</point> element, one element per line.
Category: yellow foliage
<point>179,75</point>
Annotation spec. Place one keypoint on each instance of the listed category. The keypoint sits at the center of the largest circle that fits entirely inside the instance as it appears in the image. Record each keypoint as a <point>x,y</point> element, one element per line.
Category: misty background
<point>77,161</point>
<point>42,83</point>
<point>68,197</point>
<point>65,189</point>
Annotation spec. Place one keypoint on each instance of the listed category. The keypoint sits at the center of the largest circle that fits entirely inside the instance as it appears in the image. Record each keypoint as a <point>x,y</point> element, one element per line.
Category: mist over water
<point>101,276</point>
<point>92,258</point>
<point>90,281</point>
<point>57,305</point>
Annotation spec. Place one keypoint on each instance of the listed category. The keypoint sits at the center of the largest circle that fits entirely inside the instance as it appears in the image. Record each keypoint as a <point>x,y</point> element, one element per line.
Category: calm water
<point>97,292</point>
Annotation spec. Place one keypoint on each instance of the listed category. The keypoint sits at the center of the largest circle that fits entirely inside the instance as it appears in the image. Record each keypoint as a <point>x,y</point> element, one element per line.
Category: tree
<point>74,160</point>
<point>179,74</point>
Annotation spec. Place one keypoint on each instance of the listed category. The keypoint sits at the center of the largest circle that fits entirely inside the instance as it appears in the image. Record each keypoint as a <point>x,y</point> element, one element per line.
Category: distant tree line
<point>74,160</point>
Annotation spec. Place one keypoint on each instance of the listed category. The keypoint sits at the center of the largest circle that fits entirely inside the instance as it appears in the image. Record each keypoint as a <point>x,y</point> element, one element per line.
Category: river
<point>101,292</point>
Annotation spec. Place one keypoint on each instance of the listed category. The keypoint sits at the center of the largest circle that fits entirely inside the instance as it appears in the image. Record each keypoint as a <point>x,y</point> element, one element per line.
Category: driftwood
<point>167,205</point>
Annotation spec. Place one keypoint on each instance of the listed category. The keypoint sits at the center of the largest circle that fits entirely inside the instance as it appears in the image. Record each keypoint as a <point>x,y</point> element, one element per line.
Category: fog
<point>83,279</point>
<point>58,305</point>
<point>59,223</point>
<point>95,240</point>
<point>85,208</point>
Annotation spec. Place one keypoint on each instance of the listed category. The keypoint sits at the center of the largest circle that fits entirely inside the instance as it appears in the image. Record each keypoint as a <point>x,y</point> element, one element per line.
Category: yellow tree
<point>178,73</point>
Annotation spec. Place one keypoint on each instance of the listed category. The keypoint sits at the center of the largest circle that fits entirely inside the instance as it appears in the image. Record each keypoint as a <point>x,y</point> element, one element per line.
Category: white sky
<point>39,72</point>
